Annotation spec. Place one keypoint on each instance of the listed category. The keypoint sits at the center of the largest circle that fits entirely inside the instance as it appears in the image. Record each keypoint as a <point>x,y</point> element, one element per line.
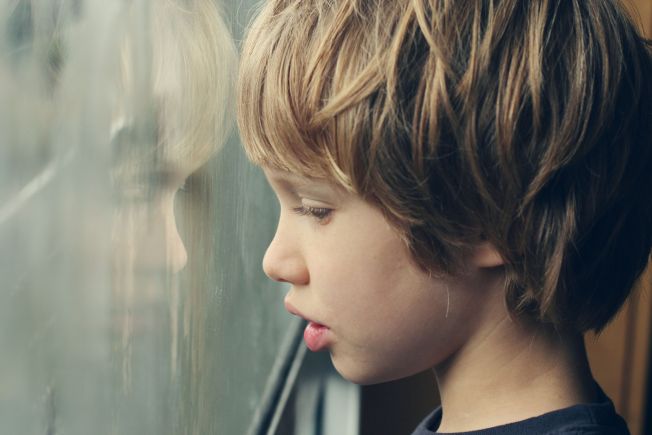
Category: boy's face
<point>350,271</point>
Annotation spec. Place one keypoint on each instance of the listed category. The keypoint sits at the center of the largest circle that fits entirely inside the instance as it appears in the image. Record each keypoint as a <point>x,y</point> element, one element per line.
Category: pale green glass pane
<point>128,307</point>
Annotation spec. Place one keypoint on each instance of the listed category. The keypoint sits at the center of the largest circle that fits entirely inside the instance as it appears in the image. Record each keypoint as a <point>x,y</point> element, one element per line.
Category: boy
<point>464,185</point>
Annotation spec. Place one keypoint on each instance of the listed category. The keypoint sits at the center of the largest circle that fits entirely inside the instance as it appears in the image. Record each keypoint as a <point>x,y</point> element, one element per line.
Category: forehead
<point>293,182</point>
<point>284,177</point>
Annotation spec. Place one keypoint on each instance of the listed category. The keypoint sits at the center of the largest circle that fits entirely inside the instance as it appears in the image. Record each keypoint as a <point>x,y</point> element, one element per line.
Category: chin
<point>364,374</point>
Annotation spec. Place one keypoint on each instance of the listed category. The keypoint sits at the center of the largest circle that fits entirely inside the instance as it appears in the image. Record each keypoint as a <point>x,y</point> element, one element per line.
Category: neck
<point>511,372</point>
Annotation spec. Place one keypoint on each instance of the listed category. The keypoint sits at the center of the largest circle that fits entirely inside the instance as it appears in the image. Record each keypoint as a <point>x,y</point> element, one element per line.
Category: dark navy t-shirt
<point>591,418</point>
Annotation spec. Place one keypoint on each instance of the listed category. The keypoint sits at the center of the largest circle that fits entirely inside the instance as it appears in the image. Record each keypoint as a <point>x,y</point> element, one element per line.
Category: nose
<point>283,259</point>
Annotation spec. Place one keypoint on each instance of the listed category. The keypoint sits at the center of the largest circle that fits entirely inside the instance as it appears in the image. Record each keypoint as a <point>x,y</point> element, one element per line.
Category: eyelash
<point>319,213</point>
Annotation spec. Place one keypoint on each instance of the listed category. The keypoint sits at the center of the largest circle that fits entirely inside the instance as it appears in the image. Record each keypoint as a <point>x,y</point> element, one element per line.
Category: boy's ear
<point>485,255</point>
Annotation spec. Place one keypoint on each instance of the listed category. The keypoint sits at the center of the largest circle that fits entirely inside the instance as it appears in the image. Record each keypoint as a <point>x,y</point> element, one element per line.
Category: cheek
<point>351,278</point>
<point>395,344</point>
<point>389,319</point>
<point>397,321</point>
<point>362,253</point>
<point>363,265</point>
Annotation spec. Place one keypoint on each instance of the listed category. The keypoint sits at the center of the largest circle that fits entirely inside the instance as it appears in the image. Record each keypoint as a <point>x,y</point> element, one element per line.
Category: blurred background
<point>132,231</point>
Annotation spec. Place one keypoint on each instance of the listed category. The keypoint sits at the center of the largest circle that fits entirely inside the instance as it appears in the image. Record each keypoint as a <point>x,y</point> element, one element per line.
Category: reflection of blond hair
<point>172,111</point>
<point>176,83</point>
<point>522,123</point>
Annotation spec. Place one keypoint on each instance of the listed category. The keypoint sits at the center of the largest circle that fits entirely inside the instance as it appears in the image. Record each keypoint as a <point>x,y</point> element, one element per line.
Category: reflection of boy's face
<point>146,222</point>
<point>147,175</point>
<point>385,318</point>
<point>148,250</point>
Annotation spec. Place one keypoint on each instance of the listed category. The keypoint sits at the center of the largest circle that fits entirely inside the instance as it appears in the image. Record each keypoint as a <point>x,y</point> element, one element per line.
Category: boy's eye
<point>319,213</point>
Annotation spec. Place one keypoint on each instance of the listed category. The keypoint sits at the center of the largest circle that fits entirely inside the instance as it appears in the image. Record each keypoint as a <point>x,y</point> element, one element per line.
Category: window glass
<point>132,228</point>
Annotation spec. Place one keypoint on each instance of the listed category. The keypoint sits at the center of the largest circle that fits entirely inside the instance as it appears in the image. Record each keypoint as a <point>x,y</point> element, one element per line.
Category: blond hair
<point>524,124</point>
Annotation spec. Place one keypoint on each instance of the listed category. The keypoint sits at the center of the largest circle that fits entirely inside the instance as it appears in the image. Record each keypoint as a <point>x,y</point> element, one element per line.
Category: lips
<point>315,335</point>
<point>292,310</point>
